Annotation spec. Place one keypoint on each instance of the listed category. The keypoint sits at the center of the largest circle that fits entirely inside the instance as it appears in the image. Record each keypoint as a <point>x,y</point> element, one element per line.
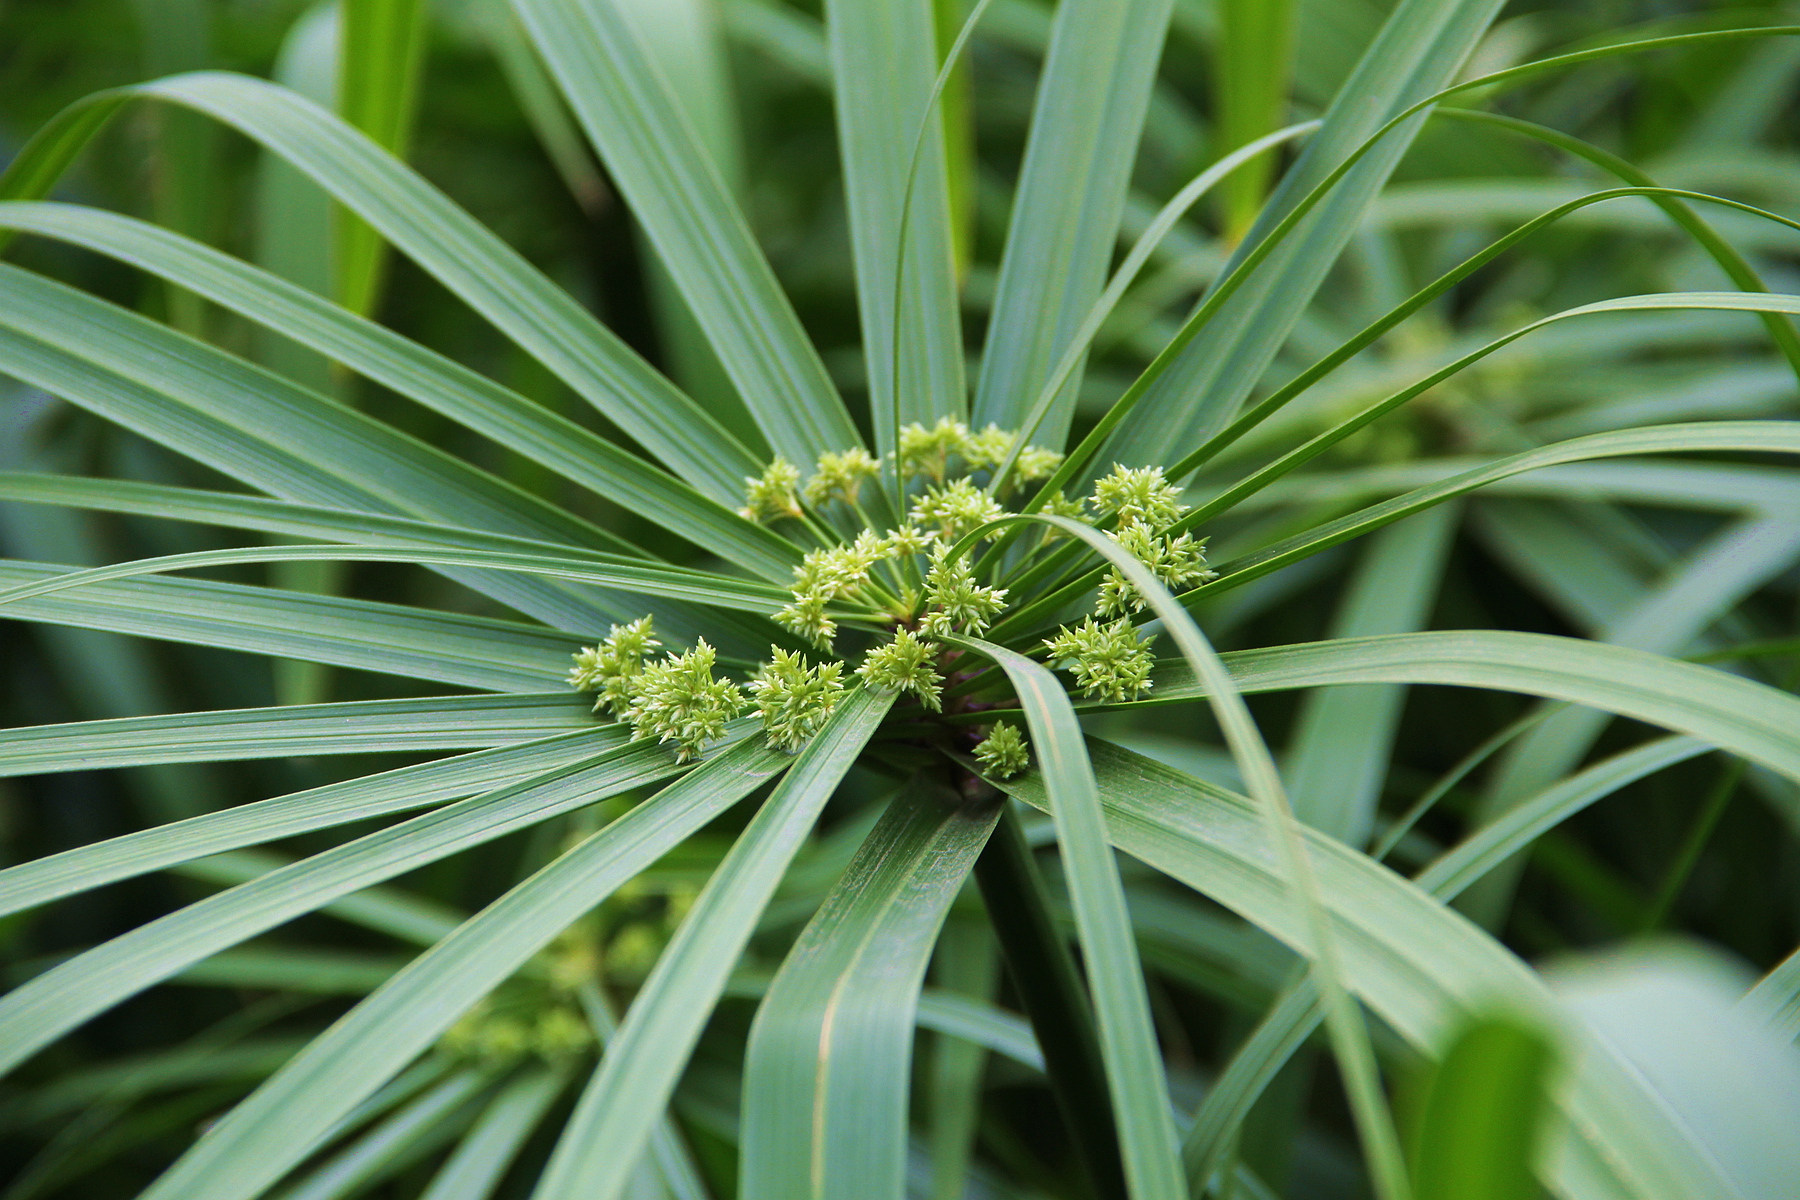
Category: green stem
<point>1043,972</point>
<point>1698,835</point>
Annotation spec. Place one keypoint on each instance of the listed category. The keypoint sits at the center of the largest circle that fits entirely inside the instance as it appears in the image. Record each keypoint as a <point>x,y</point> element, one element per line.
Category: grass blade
<point>1416,963</point>
<point>474,1170</point>
<point>1087,119</point>
<point>827,1071</point>
<point>1049,986</point>
<point>627,1096</point>
<point>358,727</point>
<point>381,54</point>
<point>280,1123</point>
<point>431,379</point>
<point>884,60</point>
<point>1476,1128</point>
<point>1349,1036</point>
<point>473,652</point>
<point>1338,756</point>
<point>233,510</point>
<point>50,1005</point>
<point>1418,50</point>
<point>1251,65</point>
<point>394,1144</point>
<point>656,160</point>
<point>39,881</point>
<point>696,587</point>
<point>1140,1096</point>
<point>1749,719</point>
<point>1745,436</point>
<point>423,224</point>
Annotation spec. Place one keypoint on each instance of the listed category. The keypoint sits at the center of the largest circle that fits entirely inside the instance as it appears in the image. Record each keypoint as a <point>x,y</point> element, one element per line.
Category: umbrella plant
<point>877,670</point>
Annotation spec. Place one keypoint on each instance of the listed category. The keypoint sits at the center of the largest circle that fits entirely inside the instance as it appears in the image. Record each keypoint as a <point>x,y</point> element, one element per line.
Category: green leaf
<point>395,1143</point>
<point>966,960</point>
<point>1050,989</point>
<point>1086,122</point>
<point>1748,719</point>
<point>1251,65</point>
<point>472,1172</point>
<point>1296,1014</point>
<point>828,1068</point>
<point>381,54</point>
<point>1776,998</point>
<point>269,433</point>
<point>450,245</point>
<point>629,1092</point>
<point>360,727</point>
<point>1419,49</point>
<point>185,180</point>
<point>1748,436</point>
<point>697,587</point>
<point>1488,846</point>
<point>281,1122</point>
<point>422,375</point>
<point>1350,1039</point>
<point>1713,579</point>
<point>40,880</point>
<point>884,61</point>
<point>1338,754</point>
<point>475,652</point>
<point>1416,963</point>
<point>982,1024</point>
<point>61,999</point>
<point>1475,1130</point>
<point>1148,242</point>
<point>1134,1067</point>
<point>656,161</point>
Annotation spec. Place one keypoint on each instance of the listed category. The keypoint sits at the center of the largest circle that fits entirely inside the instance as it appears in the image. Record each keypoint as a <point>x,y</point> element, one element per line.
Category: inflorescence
<point>911,581</point>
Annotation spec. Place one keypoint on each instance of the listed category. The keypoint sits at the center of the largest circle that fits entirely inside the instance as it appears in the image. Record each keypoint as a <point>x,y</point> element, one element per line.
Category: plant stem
<point>1044,974</point>
<point>1698,835</point>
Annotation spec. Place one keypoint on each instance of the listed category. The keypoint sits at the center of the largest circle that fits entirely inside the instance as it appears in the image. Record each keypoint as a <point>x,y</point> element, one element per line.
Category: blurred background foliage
<point>101,1113</point>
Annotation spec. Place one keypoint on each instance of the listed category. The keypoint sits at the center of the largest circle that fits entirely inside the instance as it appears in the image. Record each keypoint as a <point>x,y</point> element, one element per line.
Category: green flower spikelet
<point>956,508</point>
<point>1003,751</point>
<point>612,667</point>
<point>680,700</point>
<point>1138,494</point>
<point>1109,661</point>
<point>905,664</point>
<point>956,600</point>
<point>772,494</point>
<point>795,699</point>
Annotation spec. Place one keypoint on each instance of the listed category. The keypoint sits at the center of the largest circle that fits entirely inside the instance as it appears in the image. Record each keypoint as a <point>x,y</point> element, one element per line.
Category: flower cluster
<point>906,664</point>
<point>954,600</point>
<point>680,700</point>
<point>612,667</point>
<point>795,699</point>
<point>1144,506</point>
<point>772,494</point>
<point>1109,661</point>
<point>912,581</point>
<point>827,575</point>
<point>1002,752</point>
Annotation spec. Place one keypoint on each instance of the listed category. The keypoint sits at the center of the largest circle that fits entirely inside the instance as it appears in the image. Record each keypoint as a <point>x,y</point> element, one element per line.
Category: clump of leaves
<point>912,590</point>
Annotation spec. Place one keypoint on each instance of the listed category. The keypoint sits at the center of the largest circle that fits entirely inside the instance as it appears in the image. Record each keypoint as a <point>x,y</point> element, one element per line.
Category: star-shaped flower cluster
<point>612,667</point>
<point>878,580</point>
<point>680,700</point>
<point>955,600</point>
<point>794,699</point>
<point>1109,661</point>
<point>1002,752</point>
